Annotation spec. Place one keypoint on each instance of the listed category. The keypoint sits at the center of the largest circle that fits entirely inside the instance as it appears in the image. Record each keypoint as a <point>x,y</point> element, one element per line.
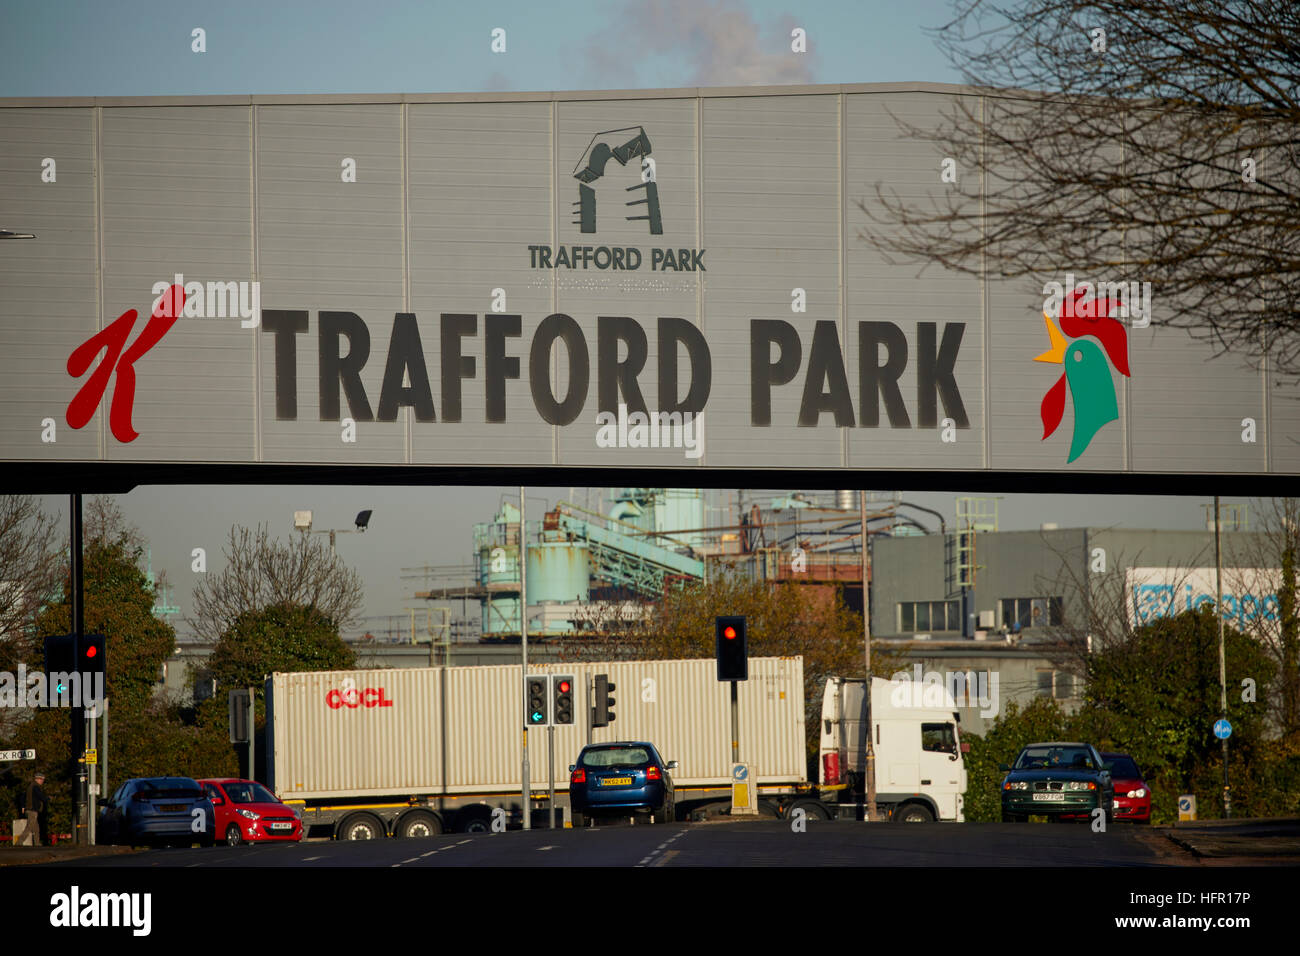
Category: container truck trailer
<point>418,751</point>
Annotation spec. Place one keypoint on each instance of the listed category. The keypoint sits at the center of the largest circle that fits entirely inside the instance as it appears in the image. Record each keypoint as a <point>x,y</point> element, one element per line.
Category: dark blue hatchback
<point>154,810</point>
<point>620,779</point>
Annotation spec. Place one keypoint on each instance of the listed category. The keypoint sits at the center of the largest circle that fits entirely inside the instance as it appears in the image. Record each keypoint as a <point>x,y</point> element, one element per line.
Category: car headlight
<point>1016,785</point>
<point>1081,785</point>
<point>249,814</point>
<point>1139,792</point>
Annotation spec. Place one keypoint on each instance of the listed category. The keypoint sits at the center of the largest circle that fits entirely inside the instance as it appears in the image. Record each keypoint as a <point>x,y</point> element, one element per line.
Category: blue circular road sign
<point>1222,729</point>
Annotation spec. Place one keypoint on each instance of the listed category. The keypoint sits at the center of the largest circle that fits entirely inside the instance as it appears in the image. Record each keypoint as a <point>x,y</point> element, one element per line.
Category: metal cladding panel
<point>645,294</point>
<point>480,194</point>
<point>1188,408</point>
<point>325,244</point>
<point>590,293</point>
<point>324,751</point>
<point>1283,434</point>
<point>48,283</point>
<point>771,223</point>
<point>905,294</point>
<point>175,201</point>
<point>451,206</point>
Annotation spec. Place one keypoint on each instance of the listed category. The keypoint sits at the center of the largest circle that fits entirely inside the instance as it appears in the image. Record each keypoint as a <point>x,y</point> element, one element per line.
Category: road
<point>749,844</point>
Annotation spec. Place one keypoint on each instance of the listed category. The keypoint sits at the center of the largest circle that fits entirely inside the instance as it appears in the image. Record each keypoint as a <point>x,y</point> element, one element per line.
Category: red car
<point>249,813</point>
<point>1132,795</point>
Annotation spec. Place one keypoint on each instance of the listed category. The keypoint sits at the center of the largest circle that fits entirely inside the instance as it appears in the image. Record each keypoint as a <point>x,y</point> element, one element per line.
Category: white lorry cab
<point>920,770</point>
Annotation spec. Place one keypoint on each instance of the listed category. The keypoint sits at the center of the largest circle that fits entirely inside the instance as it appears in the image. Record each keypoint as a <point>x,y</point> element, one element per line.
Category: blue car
<point>621,779</point>
<point>158,810</point>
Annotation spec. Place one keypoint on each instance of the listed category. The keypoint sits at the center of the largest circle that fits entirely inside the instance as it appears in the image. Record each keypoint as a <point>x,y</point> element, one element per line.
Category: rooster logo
<point>1087,373</point>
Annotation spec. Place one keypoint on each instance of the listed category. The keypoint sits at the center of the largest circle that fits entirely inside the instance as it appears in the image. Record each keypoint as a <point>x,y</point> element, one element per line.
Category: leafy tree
<point>1156,696</point>
<point>1273,549</point>
<point>1039,720</point>
<point>119,605</point>
<point>282,637</point>
<point>146,738</point>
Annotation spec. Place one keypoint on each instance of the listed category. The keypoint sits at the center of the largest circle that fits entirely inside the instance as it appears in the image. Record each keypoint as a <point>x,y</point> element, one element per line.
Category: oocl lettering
<point>349,696</point>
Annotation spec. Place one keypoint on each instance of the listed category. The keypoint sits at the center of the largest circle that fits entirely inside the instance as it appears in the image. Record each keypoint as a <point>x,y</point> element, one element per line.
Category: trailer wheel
<point>362,826</point>
<point>418,824</point>
<point>475,821</point>
<point>812,809</point>
<point>769,810</point>
<point>914,813</point>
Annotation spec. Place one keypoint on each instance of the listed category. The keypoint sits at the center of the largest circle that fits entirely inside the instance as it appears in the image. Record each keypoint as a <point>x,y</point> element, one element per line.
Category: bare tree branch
<point>261,571</point>
<point>1164,150</point>
<point>31,562</point>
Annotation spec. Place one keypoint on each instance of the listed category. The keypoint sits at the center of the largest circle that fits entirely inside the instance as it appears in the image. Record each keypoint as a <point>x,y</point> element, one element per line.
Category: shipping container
<point>449,740</point>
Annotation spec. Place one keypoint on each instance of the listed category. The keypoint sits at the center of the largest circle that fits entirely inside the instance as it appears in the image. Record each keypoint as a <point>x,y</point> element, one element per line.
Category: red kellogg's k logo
<point>112,338</point>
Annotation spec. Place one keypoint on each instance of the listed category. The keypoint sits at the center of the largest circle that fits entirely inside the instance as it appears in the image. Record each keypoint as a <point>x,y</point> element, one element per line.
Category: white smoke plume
<point>722,44</point>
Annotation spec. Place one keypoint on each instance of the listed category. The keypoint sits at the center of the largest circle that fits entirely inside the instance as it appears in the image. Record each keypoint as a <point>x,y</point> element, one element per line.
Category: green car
<point>1059,780</point>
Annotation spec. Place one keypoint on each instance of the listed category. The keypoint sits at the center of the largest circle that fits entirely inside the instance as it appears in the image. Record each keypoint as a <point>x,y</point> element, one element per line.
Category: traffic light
<point>562,695</point>
<point>65,657</point>
<point>733,655</point>
<point>536,701</point>
<point>60,660</point>
<point>92,654</point>
<point>604,712</point>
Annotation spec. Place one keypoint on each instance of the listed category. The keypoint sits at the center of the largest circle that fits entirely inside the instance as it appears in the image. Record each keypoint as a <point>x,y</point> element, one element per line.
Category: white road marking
<point>430,853</point>
<point>463,842</point>
<point>661,846</point>
<point>546,848</point>
<point>414,859</point>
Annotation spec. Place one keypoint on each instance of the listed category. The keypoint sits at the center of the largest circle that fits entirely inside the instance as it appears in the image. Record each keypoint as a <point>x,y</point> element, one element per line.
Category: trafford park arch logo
<point>591,167</point>
<point>1086,376</point>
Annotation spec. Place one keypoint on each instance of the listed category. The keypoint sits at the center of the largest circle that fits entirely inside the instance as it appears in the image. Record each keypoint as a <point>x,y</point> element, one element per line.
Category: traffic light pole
<point>77,607</point>
<point>869,768</point>
<point>735,723</point>
<point>523,643</point>
<point>550,770</point>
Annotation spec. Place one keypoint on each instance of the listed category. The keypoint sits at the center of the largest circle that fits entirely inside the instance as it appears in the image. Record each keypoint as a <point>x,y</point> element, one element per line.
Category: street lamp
<point>302,522</point>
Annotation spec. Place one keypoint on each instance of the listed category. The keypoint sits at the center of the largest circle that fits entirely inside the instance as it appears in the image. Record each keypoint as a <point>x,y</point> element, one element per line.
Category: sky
<point>60,48</point>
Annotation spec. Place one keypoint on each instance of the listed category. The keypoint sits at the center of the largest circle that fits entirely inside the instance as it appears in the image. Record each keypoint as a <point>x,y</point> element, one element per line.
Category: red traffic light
<point>729,633</point>
<point>92,650</point>
<point>564,687</point>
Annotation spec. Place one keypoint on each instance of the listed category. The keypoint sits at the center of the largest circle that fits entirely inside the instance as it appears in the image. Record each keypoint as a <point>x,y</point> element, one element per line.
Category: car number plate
<point>1050,797</point>
<point>615,781</point>
<point>172,808</point>
<point>280,826</point>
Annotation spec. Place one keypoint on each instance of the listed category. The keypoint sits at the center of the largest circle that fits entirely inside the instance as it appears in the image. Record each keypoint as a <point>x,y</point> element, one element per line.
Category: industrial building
<point>1008,611</point>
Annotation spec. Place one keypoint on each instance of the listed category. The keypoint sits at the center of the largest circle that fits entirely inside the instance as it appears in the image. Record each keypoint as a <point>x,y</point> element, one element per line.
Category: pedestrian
<point>36,806</point>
